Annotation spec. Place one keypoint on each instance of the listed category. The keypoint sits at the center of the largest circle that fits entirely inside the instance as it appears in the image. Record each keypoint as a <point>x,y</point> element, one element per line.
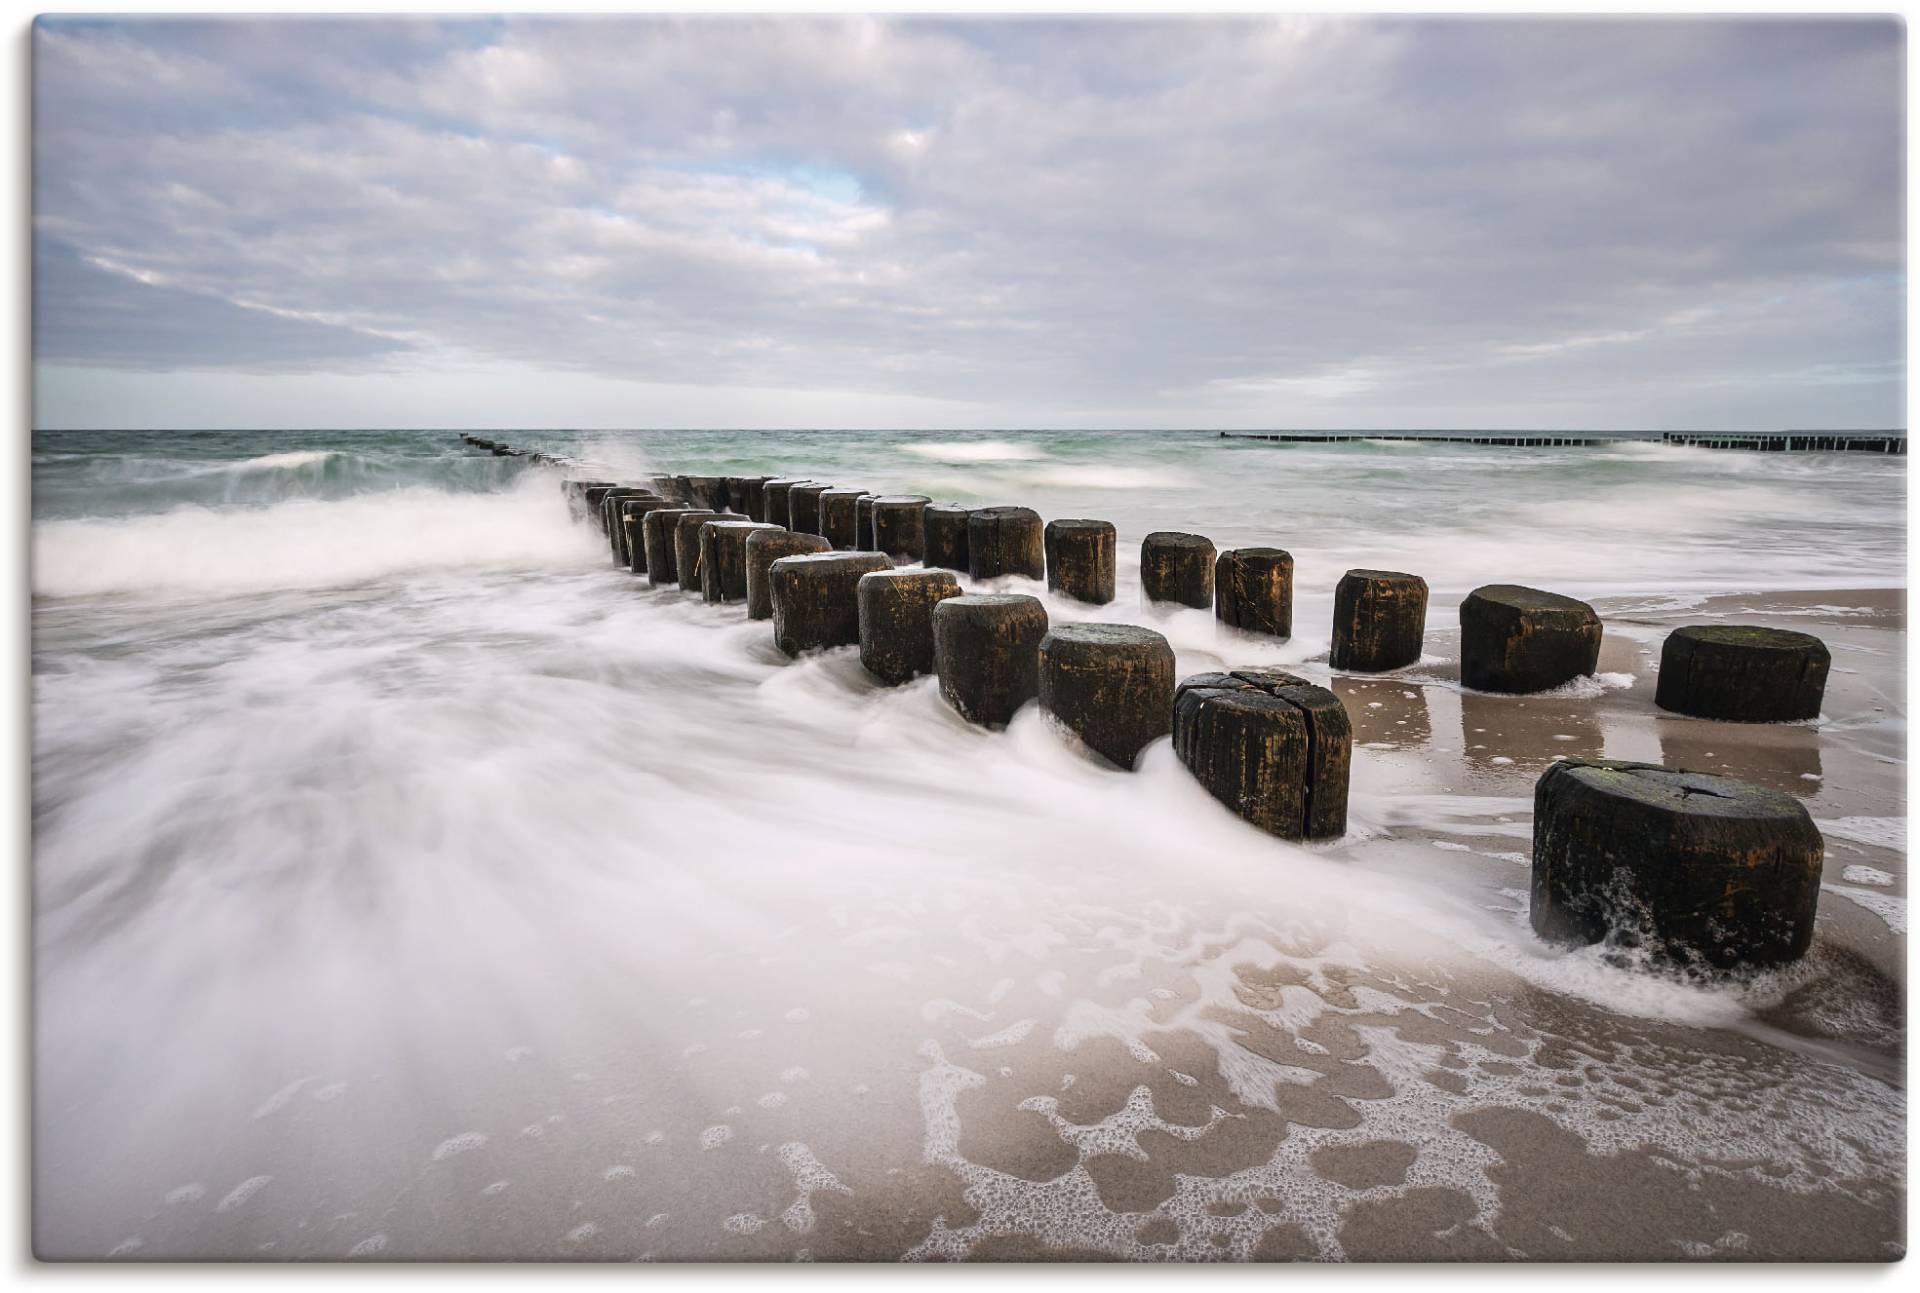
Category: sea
<point>410,881</point>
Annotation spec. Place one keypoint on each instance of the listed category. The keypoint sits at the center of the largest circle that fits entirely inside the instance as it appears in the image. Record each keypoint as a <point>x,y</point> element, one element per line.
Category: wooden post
<point>1742,674</point>
<point>1111,684</point>
<point>1273,747</point>
<point>986,649</point>
<point>1005,541</point>
<point>1379,620</point>
<point>1177,568</point>
<point>1253,591</point>
<point>1694,868</point>
<point>1518,640</point>
<point>896,621</point>
<point>1082,562</point>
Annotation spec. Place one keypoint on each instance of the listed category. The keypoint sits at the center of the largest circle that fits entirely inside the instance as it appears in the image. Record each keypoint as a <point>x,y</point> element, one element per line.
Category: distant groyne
<point>1758,441</point>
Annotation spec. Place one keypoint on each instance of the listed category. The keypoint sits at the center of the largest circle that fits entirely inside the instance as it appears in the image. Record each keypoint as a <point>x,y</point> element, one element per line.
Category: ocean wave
<point>292,461</point>
<point>975,451</point>
<point>308,543</point>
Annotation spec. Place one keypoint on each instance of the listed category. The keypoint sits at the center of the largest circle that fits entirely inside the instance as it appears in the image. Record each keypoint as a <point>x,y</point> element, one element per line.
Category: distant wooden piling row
<point>1712,871</point>
<point>1758,441</point>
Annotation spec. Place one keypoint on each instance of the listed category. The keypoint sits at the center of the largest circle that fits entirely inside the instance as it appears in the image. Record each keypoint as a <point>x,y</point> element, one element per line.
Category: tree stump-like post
<point>986,649</point>
<point>763,549</point>
<point>897,525</point>
<point>896,621</point>
<point>1742,674</point>
<point>633,515</point>
<point>663,565</point>
<point>943,533</point>
<point>723,558</point>
<point>1519,640</point>
<point>778,494</point>
<point>1177,568</point>
<point>686,547</point>
<point>1110,684</point>
<point>803,507</point>
<point>1692,867</point>
<point>1253,591</point>
<point>1274,748</point>
<point>816,604</point>
<point>1379,620</point>
<point>839,517</point>
<point>1082,561</point>
<point>863,524</point>
<point>1005,541</point>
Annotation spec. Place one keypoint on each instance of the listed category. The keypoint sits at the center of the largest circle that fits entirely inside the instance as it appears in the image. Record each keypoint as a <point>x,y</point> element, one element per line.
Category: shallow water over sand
<point>410,882</point>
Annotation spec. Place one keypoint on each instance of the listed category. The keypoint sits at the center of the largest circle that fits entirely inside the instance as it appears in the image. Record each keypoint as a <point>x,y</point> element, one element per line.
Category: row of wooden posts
<point>1695,867</point>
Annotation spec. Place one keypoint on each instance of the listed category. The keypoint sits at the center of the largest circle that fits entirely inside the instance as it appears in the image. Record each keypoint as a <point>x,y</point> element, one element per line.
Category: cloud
<point>1045,222</point>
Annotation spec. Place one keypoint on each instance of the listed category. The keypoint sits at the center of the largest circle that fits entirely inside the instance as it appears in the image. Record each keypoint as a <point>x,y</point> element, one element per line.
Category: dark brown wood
<point>1694,868</point>
<point>1379,620</point>
<point>1177,568</point>
<point>763,549</point>
<point>896,621</point>
<point>1005,541</point>
<point>1742,674</point>
<point>986,649</point>
<point>816,599</point>
<point>1110,684</point>
<point>723,558</point>
<point>1253,590</point>
<point>1518,640</point>
<point>1082,560</point>
<point>1273,747</point>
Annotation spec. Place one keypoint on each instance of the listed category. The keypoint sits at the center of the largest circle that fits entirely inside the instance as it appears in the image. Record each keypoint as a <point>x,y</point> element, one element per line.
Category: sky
<point>726,222</point>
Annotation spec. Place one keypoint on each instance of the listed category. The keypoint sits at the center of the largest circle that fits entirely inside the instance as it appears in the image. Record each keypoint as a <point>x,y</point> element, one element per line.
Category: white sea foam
<point>974,451</point>
<point>309,543</point>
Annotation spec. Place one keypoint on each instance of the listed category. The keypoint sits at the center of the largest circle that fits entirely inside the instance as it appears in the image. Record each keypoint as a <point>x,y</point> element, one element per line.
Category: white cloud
<point>1186,222</point>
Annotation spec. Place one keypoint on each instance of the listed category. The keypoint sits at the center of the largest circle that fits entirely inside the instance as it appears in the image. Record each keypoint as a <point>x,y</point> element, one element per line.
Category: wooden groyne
<point>1793,441</point>
<point>1695,869</point>
<point>1757,441</point>
<point>1429,437</point>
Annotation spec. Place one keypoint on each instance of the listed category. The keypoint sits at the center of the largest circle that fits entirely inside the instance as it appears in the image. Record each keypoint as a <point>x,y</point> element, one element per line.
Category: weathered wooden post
<point>897,525</point>
<point>816,603</point>
<point>1379,620</point>
<point>839,512</point>
<point>896,621</point>
<point>610,520</point>
<point>803,507</point>
<point>1274,748</point>
<point>723,558</point>
<point>1082,562</point>
<point>754,489</point>
<point>986,649</point>
<point>711,491</point>
<point>1518,640</point>
<point>1005,541</point>
<point>863,524</point>
<point>686,546</point>
<point>1253,591</point>
<point>943,534</point>
<point>763,549</point>
<point>1177,568</point>
<point>658,532</point>
<point>1111,684</point>
<point>779,500</point>
<point>1693,867</point>
<point>633,516</point>
<point>583,497</point>
<point>1742,674</point>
